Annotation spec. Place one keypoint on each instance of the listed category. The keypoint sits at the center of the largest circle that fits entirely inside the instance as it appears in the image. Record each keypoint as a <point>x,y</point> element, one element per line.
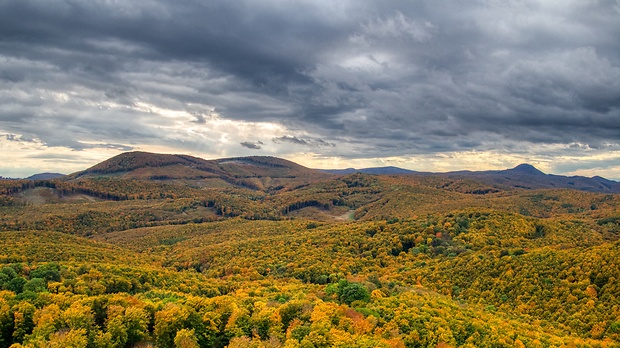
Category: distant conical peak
<point>527,168</point>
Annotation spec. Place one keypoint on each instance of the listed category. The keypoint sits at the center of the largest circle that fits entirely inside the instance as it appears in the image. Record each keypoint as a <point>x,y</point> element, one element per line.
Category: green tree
<point>9,272</point>
<point>16,285</point>
<point>35,285</point>
<point>350,291</point>
<point>48,271</point>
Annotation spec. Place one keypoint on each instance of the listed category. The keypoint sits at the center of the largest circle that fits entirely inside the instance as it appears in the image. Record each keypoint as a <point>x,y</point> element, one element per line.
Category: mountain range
<point>523,176</point>
<point>269,173</point>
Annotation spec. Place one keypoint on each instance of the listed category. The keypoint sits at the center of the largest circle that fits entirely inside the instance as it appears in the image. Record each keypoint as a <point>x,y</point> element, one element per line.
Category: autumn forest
<point>150,250</point>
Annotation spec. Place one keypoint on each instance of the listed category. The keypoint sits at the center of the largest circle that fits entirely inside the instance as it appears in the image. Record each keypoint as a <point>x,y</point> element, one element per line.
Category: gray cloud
<point>256,145</point>
<point>290,139</point>
<point>299,141</point>
<point>18,138</point>
<point>403,78</point>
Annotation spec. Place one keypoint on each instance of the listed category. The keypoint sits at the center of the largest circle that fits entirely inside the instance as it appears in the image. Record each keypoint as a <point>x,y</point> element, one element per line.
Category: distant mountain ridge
<point>272,173</point>
<point>522,176</point>
<point>528,177</point>
<point>39,176</point>
<point>389,170</point>
<point>45,176</point>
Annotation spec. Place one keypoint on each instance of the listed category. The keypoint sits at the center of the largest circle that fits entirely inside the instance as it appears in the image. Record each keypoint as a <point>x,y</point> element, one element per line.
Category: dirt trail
<point>348,216</point>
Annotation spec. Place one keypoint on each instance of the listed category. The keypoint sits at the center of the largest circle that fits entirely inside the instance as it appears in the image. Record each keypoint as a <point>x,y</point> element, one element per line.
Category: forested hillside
<point>149,250</point>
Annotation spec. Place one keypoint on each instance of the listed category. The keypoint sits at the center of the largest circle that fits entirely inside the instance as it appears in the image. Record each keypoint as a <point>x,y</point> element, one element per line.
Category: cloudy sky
<point>432,85</point>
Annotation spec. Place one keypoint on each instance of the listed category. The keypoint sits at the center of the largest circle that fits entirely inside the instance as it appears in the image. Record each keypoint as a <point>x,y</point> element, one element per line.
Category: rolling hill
<point>45,176</point>
<point>256,172</point>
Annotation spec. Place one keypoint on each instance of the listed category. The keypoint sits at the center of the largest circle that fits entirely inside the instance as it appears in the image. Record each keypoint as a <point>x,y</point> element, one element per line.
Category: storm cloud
<point>536,81</point>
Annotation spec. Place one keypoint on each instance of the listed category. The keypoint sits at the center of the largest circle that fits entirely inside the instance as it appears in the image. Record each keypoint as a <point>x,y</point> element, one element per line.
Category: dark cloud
<point>299,141</point>
<point>19,138</point>
<point>256,145</point>
<point>381,79</point>
<point>119,147</point>
<point>323,143</point>
<point>290,139</point>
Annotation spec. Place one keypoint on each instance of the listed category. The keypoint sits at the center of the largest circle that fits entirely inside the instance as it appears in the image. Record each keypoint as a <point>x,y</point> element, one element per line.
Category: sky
<point>435,85</point>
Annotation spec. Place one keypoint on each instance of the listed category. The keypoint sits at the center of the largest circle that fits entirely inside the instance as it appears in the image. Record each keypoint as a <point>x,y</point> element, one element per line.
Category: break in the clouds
<point>428,85</point>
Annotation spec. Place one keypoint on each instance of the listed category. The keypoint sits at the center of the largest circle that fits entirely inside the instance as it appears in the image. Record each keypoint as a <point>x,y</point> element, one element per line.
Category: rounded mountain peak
<point>526,168</point>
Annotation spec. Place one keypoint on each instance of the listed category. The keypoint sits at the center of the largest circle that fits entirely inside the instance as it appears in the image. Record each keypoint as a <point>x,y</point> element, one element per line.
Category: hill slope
<point>255,172</point>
